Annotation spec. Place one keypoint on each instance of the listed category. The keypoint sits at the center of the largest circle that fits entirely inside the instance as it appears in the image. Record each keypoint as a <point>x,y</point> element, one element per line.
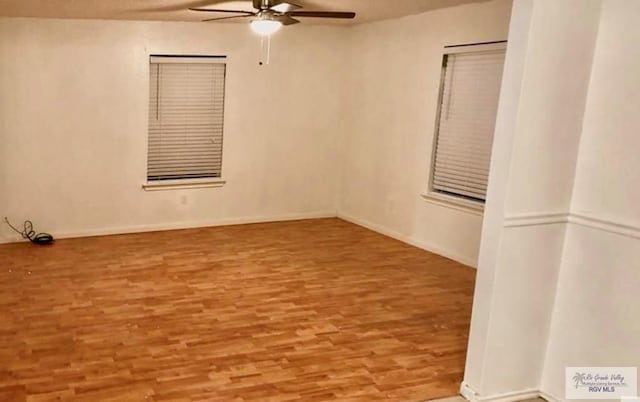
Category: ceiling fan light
<point>265,26</point>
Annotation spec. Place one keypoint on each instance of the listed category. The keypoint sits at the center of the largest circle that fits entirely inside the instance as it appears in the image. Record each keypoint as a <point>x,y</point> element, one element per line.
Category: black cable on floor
<point>30,234</point>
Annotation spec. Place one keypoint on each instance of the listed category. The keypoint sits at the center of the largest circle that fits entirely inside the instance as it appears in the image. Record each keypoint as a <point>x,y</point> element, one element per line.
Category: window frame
<point>187,183</point>
<point>431,195</point>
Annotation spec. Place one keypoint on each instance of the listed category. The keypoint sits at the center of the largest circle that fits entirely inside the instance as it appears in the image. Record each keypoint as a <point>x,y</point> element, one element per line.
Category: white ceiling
<point>176,10</point>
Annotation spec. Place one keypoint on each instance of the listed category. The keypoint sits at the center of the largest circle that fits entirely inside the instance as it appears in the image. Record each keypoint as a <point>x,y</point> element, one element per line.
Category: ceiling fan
<point>271,15</point>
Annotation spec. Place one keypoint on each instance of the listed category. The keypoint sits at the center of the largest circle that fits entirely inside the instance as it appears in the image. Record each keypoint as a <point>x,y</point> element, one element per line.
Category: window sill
<point>182,184</point>
<point>458,204</point>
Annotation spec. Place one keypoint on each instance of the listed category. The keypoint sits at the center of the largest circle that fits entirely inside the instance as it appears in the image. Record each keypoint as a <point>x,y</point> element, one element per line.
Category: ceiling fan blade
<point>213,10</point>
<point>227,18</point>
<point>323,14</point>
<point>284,7</point>
<point>286,19</point>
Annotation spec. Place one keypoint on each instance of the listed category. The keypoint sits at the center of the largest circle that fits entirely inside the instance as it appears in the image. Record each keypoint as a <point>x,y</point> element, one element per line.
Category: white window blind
<point>469,103</point>
<point>186,115</point>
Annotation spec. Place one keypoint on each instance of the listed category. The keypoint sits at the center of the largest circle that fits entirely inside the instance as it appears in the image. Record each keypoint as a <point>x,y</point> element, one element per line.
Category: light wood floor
<point>309,310</point>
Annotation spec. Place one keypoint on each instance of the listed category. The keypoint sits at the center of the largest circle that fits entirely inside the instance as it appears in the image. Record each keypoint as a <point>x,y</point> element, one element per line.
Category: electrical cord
<point>30,234</point>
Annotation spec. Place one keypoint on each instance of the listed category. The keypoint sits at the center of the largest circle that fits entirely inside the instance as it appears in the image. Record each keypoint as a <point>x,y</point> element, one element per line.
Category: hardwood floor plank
<point>289,311</point>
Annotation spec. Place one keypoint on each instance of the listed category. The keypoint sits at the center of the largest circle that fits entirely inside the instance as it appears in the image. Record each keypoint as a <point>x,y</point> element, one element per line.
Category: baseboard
<point>471,395</point>
<point>549,397</point>
<point>406,239</point>
<point>182,225</point>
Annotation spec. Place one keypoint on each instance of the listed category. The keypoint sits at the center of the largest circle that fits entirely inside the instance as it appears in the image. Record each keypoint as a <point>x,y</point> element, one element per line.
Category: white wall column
<point>538,130</point>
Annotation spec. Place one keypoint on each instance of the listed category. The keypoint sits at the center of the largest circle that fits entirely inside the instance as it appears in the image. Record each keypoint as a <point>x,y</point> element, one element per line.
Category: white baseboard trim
<point>550,397</point>
<point>471,395</point>
<point>181,225</point>
<point>406,239</point>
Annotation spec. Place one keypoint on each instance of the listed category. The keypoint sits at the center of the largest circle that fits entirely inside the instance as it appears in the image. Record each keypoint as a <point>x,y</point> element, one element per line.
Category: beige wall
<point>393,92</point>
<point>532,180</point>
<point>595,320</point>
<point>560,248</point>
<point>341,122</point>
<point>73,115</point>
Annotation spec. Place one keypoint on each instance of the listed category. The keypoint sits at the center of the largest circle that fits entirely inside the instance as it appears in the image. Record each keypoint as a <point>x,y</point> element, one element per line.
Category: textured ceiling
<point>176,10</point>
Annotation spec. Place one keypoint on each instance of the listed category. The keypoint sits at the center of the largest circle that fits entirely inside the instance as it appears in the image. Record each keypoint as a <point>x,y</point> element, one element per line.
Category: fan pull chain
<point>265,49</point>
<point>268,49</point>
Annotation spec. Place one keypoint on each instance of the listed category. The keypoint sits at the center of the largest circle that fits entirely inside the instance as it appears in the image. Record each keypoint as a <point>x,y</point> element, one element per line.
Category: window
<point>468,105</point>
<point>186,118</point>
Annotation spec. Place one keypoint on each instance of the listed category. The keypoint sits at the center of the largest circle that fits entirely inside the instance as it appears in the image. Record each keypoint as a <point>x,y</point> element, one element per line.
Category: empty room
<point>319,200</point>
